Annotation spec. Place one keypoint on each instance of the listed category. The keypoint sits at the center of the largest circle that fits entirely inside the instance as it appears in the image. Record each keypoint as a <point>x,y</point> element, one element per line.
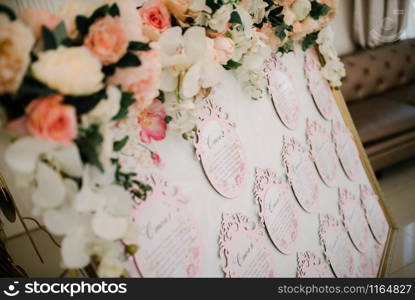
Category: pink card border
<point>265,179</point>
<point>212,111</point>
<point>308,260</point>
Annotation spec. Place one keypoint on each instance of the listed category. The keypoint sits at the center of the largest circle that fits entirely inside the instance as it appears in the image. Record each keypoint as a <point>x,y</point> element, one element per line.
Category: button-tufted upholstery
<point>375,71</point>
<point>380,92</point>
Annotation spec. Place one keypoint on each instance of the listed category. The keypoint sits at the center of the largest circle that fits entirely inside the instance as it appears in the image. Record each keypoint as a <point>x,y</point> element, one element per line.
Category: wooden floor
<point>398,187</point>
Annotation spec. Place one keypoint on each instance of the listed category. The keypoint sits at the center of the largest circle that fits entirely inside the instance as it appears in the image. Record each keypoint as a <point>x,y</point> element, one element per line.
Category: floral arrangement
<point>72,83</point>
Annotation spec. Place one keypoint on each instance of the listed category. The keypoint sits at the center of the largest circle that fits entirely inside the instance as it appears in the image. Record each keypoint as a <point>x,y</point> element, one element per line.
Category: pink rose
<point>143,81</point>
<point>36,18</point>
<point>106,39</point>
<point>155,17</point>
<point>223,49</point>
<point>48,118</point>
<point>153,125</point>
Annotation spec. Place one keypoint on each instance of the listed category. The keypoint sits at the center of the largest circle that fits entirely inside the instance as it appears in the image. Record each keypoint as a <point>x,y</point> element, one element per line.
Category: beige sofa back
<point>374,71</point>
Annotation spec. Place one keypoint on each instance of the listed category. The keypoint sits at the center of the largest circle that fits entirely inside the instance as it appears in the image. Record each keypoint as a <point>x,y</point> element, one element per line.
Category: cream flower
<point>301,9</point>
<point>71,71</point>
<point>220,19</point>
<point>16,42</point>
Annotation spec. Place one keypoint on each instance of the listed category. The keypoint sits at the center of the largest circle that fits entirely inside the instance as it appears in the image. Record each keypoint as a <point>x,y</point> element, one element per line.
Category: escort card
<point>243,248</point>
<point>318,85</point>
<point>168,238</point>
<point>302,174</point>
<point>354,220</point>
<point>346,151</point>
<point>323,152</point>
<point>283,93</point>
<point>278,209</point>
<point>220,150</point>
<point>337,246</point>
<point>374,214</point>
<point>310,266</point>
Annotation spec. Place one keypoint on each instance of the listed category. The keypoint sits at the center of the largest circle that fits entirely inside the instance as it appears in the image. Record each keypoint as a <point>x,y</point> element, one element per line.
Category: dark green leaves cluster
<point>88,142</point>
<point>277,21</point>
<point>310,40</point>
<point>127,99</point>
<point>318,10</point>
<point>8,12</point>
<point>287,47</point>
<point>232,65</point>
<point>130,182</point>
<point>83,23</point>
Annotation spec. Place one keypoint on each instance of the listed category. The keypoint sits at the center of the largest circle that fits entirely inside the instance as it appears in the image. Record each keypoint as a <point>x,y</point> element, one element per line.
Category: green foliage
<point>118,145</point>
<point>318,10</point>
<point>232,65</point>
<point>8,12</point>
<point>138,46</point>
<point>127,99</point>
<point>88,141</point>
<point>287,47</point>
<point>310,40</point>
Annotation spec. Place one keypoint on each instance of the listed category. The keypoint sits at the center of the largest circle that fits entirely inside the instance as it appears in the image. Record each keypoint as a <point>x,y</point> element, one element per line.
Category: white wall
<point>343,27</point>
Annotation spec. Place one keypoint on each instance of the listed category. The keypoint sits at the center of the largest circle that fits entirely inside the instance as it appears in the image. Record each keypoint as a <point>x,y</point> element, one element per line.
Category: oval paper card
<point>243,246</point>
<point>170,244</point>
<point>278,209</point>
<point>374,214</point>
<point>301,174</point>
<point>353,216</point>
<point>323,152</point>
<point>310,266</point>
<point>220,150</point>
<point>337,246</point>
<point>346,151</point>
<point>318,85</point>
<point>282,91</point>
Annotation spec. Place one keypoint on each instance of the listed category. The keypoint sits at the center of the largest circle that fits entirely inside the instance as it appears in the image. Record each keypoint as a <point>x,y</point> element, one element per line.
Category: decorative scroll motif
<point>170,243</point>
<point>374,214</point>
<point>346,151</point>
<point>302,174</point>
<point>311,266</point>
<point>354,220</point>
<point>277,209</point>
<point>220,150</point>
<point>282,92</point>
<point>319,87</point>
<point>337,246</point>
<point>323,152</point>
<point>243,248</point>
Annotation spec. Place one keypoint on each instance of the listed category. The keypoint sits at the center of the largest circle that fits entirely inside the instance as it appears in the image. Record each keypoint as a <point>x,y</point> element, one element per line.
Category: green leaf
<point>82,25</point>
<point>100,12</point>
<point>275,17</point>
<point>318,10</point>
<point>127,99</point>
<point>88,141</point>
<point>138,46</point>
<point>84,104</point>
<point>49,40</point>
<point>214,5</point>
<point>8,12</point>
<point>60,33</point>
<point>232,65</point>
<point>168,119</point>
<point>235,18</point>
<point>128,60</point>
<point>161,96</point>
<point>287,47</point>
<point>309,40</point>
<point>118,145</point>
<point>114,11</point>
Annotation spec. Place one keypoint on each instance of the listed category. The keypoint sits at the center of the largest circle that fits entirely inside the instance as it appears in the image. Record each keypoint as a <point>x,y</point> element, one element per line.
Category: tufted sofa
<point>380,93</point>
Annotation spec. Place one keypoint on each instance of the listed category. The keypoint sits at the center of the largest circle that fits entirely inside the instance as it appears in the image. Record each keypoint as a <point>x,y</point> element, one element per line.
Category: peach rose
<point>143,81</point>
<point>269,37</point>
<point>223,49</point>
<point>48,118</point>
<point>36,18</point>
<point>155,18</point>
<point>106,39</point>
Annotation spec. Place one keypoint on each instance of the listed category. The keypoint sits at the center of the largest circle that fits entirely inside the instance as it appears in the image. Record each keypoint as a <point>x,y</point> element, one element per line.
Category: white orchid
<point>192,54</point>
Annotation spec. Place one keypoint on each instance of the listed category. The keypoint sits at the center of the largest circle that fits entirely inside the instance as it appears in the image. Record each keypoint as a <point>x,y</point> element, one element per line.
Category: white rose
<point>71,71</point>
<point>310,25</point>
<point>301,9</point>
<point>110,267</point>
<point>220,18</point>
<point>16,41</point>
